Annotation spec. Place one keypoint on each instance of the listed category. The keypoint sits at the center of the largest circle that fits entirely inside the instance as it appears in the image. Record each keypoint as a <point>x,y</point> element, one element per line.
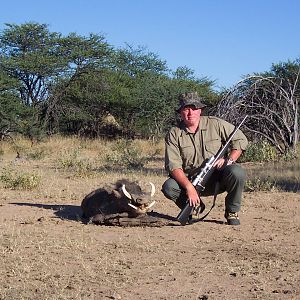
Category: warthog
<point>124,198</point>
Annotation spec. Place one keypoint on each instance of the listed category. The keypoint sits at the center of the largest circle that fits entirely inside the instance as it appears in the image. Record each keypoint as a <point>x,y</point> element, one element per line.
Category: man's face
<point>190,115</point>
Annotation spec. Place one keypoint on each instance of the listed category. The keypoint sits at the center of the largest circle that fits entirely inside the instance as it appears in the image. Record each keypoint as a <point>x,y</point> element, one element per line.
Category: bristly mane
<point>131,186</point>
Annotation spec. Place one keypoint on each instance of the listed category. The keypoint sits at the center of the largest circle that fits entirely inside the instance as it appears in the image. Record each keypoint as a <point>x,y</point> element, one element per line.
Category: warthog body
<point>124,199</point>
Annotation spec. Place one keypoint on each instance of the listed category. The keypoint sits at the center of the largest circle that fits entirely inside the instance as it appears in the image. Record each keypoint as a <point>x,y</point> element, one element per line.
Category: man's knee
<point>236,172</point>
<point>169,188</point>
<point>173,191</point>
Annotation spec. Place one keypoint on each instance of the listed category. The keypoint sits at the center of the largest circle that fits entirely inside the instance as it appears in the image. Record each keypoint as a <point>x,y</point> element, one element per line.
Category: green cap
<point>190,99</point>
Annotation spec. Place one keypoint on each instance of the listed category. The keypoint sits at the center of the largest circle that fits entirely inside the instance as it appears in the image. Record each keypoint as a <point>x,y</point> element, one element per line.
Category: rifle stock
<point>185,213</point>
<point>200,180</point>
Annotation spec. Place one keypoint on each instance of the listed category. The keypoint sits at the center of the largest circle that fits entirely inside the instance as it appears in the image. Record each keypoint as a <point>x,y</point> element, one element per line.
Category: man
<point>190,144</point>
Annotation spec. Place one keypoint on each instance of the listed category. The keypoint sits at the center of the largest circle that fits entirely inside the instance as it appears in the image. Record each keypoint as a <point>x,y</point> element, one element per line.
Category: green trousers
<point>231,180</point>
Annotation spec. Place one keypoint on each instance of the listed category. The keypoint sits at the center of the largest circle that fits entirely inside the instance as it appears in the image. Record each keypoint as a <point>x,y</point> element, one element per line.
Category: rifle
<point>201,179</point>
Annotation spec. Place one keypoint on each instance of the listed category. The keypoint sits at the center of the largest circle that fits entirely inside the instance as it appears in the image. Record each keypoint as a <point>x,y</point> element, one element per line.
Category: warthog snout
<point>122,197</point>
<point>140,201</point>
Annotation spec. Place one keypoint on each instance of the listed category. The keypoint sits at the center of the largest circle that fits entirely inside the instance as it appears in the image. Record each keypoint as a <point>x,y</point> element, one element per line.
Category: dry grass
<point>282,175</point>
<point>71,158</point>
<point>47,253</point>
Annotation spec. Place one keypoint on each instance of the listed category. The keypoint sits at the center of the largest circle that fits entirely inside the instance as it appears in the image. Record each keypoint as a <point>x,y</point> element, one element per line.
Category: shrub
<point>126,154</point>
<point>259,184</point>
<point>19,181</point>
<point>72,162</point>
<point>260,151</point>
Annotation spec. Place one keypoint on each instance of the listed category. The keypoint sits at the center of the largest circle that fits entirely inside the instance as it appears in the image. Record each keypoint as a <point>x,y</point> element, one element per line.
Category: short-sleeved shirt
<point>187,150</point>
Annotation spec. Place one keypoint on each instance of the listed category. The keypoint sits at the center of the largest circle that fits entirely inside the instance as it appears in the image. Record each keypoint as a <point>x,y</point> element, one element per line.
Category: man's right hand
<point>184,182</point>
<point>193,196</point>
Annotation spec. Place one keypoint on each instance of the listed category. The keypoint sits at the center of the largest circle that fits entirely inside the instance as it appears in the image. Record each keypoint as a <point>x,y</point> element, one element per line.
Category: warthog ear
<point>125,192</point>
<point>152,189</point>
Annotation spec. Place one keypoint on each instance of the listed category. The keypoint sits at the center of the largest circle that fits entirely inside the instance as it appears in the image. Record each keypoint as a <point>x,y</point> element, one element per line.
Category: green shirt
<point>187,151</point>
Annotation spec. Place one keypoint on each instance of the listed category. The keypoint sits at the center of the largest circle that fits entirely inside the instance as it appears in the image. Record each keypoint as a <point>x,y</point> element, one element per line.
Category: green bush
<point>259,184</point>
<point>260,151</point>
<point>19,181</point>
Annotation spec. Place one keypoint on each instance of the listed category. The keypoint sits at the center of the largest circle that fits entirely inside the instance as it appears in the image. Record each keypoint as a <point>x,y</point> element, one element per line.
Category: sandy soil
<point>48,253</point>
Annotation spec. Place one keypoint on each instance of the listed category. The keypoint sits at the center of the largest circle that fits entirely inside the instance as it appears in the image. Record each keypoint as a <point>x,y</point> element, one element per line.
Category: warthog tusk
<point>125,192</point>
<point>131,205</point>
<point>150,205</point>
<point>152,189</point>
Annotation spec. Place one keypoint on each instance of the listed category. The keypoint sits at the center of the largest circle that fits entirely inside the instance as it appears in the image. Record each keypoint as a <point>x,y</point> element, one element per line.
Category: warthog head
<point>122,197</point>
<point>138,200</point>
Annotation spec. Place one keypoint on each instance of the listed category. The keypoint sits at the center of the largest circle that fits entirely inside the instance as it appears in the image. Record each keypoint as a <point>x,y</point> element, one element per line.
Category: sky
<point>222,40</point>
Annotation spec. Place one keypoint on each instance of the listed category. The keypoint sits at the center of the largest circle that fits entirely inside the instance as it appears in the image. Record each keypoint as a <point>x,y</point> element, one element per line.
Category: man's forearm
<point>235,154</point>
<point>181,178</point>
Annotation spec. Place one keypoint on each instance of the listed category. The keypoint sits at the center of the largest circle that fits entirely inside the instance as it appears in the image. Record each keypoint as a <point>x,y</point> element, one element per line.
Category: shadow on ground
<point>67,212</point>
<point>74,212</point>
<point>173,219</point>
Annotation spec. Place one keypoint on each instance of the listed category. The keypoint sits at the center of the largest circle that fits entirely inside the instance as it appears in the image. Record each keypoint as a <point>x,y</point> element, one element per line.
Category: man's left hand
<point>220,163</point>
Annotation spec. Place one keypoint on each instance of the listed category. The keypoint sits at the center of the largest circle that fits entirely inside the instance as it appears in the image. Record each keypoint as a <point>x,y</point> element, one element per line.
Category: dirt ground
<point>48,253</point>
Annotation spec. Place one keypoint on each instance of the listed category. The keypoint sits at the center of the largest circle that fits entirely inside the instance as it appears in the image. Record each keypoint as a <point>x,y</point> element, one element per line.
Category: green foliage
<point>82,103</point>
<point>136,61</point>
<point>289,155</point>
<point>30,128</point>
<point>85,52</point>
<point>11,108</point>
<point>287,70</point>
<point>261,151</point>
<point>19,180</point>
<point>257,184</point>
<point>71,82</point>
<point>183,73</point>
<point>30,54</point>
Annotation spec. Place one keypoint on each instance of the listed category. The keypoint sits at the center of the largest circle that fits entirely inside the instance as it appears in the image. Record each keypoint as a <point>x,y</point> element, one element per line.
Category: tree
<point>134,61</point>
<point>15,116</point>
<point>69,82</point>
<point>46,63</point>
<point>184,73</point>
<point>271,100</point>
<point>80,103</point>
<point>82,81</point>
<point>30,54</point>
<point>10,106</point>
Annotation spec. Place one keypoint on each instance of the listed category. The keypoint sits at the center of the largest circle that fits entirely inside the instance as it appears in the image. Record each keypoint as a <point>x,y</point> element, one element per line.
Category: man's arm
<point>235,154</point>
<point>184,182</point>
<point>233,157</point>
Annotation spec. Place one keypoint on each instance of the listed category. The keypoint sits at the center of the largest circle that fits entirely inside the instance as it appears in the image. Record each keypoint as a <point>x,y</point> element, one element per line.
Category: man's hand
<point>193,196</point>
<point>220,163</point>
<point>183,181</point>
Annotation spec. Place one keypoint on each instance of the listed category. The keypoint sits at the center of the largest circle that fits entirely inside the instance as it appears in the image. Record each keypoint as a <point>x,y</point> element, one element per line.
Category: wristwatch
<point>230,161</point>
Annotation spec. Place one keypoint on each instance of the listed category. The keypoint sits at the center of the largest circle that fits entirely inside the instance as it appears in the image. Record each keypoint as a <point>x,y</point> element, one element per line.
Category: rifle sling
<point>217,186</point>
